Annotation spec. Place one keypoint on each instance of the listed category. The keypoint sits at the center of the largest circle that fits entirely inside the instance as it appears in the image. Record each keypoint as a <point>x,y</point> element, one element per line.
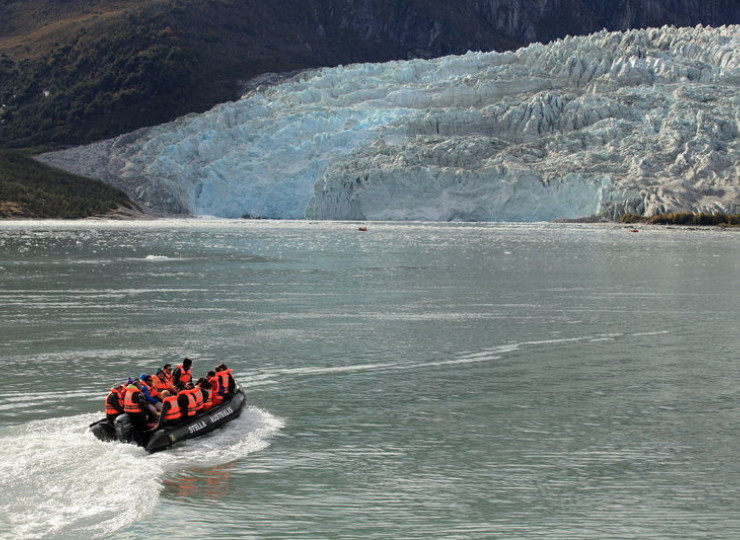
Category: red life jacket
<point>129,405</point>
<point>185,376</point>
<point>173,412</point>
<point>109,408</point>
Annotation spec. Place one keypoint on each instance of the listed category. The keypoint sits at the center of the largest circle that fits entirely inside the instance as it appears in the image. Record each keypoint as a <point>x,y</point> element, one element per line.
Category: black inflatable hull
<point>160,439</point>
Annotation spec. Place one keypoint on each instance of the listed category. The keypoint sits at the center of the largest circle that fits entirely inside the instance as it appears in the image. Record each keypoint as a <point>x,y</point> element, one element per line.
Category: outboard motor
<point>124,429</point>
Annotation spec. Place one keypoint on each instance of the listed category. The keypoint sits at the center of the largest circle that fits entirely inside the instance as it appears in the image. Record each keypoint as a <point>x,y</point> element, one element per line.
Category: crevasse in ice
<point>644,121</point>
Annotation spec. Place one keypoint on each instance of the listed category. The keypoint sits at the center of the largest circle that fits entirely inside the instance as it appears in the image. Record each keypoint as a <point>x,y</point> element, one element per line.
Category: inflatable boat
<point>157,439</point>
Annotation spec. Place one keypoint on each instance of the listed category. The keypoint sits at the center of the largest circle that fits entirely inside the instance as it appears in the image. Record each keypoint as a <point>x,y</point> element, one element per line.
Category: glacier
<point>640,122</point>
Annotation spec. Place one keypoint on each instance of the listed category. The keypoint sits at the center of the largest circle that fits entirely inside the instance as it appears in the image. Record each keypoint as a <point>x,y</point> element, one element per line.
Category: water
<point>411,381</point>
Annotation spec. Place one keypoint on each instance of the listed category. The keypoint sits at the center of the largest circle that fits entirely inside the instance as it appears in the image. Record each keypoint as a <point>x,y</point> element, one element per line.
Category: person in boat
<point>200,398</point>
<point>167,374</point>
<point>205,387</point>
<point>135,405</point>
<point>228,384</point>
<point>216,395</point>
<point>171,410</point>
<point>183,373</point>
<point>160,383</point>
<point>147,388</point>
<point>195,399</point>
<point>187,403</point>
<point>114,403</point>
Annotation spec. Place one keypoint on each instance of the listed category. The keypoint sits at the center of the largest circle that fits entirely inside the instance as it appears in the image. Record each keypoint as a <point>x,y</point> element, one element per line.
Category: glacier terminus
<point>640,122</point>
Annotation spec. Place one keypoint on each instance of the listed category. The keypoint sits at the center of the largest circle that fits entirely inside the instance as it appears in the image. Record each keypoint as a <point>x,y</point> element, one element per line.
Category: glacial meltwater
<point>406,381</point>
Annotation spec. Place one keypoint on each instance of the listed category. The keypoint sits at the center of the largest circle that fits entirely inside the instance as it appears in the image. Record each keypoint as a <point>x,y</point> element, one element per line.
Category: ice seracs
<point>642,122</point>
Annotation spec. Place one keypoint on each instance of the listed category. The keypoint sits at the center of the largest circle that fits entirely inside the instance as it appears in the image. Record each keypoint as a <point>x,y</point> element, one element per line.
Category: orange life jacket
<point>223,377</point>
<point>152,390</point>
<point>173,412</point>
<point>192,402</point>
<point>185,376</point>
<point>199,398</point>
<point>159,384</point>
<point>129,405</point>
<point>217,398</point>
<point>109,408</point>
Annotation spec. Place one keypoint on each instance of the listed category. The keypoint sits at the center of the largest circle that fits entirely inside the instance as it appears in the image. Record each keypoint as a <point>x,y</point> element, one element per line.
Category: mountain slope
<point>29,189</point>
<point>74,71</point>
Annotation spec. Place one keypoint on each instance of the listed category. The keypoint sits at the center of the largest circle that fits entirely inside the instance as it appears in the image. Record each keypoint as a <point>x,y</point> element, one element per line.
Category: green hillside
<point>30,189</point>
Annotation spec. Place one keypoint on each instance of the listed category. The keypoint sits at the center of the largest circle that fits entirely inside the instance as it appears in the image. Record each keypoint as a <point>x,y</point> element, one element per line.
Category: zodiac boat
<point>157,439</point>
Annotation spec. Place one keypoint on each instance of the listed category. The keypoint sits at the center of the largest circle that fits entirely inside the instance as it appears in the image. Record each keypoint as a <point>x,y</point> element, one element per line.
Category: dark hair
<point>187,362</point>
<point>210,374</point>
<point>166,366</point>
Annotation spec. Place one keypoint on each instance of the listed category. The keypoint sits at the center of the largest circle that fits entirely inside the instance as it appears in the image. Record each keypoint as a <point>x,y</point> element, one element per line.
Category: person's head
<point>146,379</point>
<point>210,374</point>
<point>187,362</point>
<point>189,385</point>
<point>167,368</point>
<point>165,393</point>
<point>204,382</point>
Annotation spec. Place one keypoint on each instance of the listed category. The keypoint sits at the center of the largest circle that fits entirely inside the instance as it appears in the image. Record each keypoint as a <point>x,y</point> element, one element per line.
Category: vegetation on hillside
<point>114,80</point>
<point>29,189</point>
<point>120,67</point>
<point>686,218</point>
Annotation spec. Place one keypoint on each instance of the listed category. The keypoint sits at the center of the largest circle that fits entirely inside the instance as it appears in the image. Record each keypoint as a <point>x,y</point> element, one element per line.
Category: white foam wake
<point>57,479</point>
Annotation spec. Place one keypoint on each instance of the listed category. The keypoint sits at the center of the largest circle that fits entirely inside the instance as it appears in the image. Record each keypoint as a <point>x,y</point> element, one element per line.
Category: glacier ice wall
<point>643,122</point>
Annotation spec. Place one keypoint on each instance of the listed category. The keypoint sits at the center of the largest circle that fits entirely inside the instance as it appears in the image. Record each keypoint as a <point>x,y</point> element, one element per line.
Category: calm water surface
<point>411,381</point>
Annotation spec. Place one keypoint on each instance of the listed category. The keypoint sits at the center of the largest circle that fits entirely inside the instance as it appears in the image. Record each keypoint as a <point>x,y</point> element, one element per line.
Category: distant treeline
<point>29,189</point>
<point>685,218</point>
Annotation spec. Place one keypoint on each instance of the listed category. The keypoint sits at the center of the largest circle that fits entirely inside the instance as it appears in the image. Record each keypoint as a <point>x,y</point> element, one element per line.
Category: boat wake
<point>58,479</point>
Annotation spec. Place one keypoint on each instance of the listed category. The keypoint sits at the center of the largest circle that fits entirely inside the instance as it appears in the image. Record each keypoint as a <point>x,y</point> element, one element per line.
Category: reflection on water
<point>211,483</point>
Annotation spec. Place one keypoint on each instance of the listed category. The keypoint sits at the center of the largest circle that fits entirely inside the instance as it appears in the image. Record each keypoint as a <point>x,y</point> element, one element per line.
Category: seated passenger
<point>205,387</point>
<point>171,411</point>
<point>228,385</point>
<point>161,383</point>
<point>192,406</point>
<point>197,394</point>
<point>184,401</point>
<point>114,403</point>
<point>134,405</point>
<point>153,404</point>
<point>216,395</point>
